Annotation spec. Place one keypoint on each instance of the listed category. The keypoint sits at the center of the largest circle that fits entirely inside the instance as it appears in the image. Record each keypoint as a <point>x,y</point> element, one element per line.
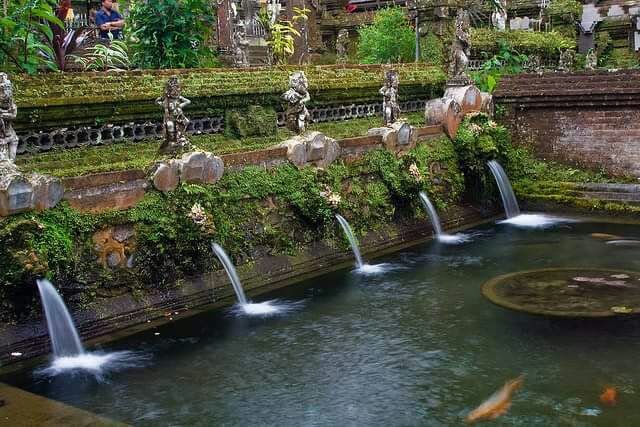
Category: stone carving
<point>566,61</point>
<point>296,114</point>
<point>460,49</point>
<point>175,122</point>
<point>342,46</point>
<point>20,193</point>
<point>198,167</point>
<point>591,60</point>
<point>8,112</point>
<point>499,15</point>
<point>389,92</point>
<point>314,148</point>
<point>397,137</point>
<point>115,246</point>
<point>273,10</point>
<point>240,46</point>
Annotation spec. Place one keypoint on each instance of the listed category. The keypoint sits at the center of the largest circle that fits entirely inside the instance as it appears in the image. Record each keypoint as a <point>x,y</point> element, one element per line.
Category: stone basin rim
<point>487,289</point>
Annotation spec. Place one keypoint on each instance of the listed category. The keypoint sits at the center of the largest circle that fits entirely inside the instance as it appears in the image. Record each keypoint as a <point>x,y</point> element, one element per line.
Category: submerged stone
<point>568,292</point>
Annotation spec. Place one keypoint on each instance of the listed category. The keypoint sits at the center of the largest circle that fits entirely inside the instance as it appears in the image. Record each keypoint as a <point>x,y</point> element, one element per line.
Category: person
<point>109,21</point>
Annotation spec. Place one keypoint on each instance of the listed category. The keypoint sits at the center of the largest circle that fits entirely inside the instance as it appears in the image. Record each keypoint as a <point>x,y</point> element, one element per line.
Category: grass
<point>141,155</point>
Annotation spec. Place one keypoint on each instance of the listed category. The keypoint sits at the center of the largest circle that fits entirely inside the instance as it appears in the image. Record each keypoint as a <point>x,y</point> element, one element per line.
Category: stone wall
<point>589,119</point>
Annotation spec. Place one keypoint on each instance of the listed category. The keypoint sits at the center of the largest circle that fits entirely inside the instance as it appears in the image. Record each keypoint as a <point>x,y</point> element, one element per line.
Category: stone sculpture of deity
<point>175,122</point>
<point>591,61</point>
<point>499,15</point>
<point>460,49</point>
<point>296,114</point>
<point>389,92</point>
<point>342,46</point>
<point>8,111</point>
<point>240,46</point>
<point>566,60</point>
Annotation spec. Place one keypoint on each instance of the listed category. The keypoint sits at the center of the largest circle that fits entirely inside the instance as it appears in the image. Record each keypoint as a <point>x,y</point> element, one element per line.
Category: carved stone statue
<point>296,114</point>
<point>591,62</point>
<point>566,60</point>
<point>389,92</point>
<point>460,49</point>
<point>175,122</point>
<point>273,10</point>
<point>342,46</point>
<point>240,46</point>
<point>499,15</point>
<point>8,111</point>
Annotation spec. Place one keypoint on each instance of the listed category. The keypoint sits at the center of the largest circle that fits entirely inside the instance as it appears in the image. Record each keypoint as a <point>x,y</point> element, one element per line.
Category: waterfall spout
<point>352,240</point>
<point>433,214</point>
<point>231,272</point>
<point>65,341</point>
<point>506,192</point>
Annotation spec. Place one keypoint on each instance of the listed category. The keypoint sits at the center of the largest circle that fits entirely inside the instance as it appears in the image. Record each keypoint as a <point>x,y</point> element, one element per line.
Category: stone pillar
<point>308,29</point>
<point>225,25</point>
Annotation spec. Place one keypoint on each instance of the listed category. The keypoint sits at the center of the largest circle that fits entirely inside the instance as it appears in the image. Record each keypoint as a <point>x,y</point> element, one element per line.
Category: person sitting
<point>109,21</point>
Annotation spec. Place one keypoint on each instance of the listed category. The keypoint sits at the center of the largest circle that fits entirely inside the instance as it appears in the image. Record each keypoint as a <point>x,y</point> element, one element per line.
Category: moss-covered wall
<point>250,212</point>
<point>71,99</point>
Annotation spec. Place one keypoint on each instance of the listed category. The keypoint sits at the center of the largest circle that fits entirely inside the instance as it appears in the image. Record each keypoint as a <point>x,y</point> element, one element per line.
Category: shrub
<point>253,121</point>
<point>433,50</point>
<point>171,33</point>
<point>487,41</point>
<point>389,38</point>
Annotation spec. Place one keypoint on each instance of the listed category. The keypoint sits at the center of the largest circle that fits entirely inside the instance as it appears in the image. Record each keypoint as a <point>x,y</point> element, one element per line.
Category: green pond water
<point>416,346</point>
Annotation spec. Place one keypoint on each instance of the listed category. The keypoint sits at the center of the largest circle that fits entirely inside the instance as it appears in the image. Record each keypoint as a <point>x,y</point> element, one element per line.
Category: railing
<point>255,29</point>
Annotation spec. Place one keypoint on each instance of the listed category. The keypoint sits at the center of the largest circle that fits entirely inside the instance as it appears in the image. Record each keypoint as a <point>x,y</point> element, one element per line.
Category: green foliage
<point>253,121</point>
<point>281,35</point>
<point>25,35</point>
<point>566,10</point>
<point>433,50</point>
<point>170,33</point>
<point>105,56</point>
<point>507,61</point>
<point>389,38</point>
<point>526,42</point>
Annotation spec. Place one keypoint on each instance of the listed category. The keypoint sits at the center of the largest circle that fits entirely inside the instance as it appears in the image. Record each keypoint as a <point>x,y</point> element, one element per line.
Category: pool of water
<point>417,345</point>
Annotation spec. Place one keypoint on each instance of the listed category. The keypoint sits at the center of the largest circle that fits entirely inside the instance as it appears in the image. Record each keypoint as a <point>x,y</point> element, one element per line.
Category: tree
<point>389,38</point>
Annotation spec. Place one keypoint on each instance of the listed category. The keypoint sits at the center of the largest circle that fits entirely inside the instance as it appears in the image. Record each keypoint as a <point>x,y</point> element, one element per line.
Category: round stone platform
<point>567,292</point>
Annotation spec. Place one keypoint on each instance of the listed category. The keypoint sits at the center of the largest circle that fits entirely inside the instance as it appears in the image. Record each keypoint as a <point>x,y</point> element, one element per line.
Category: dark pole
<point>417,36</point>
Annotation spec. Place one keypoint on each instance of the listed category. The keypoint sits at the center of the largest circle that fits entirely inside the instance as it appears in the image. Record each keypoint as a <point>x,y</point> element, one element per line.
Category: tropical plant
<point>26,34</point>
<point>63,42</point>
<point>106,56</point>
<point>170,33</point>
<point>389,38</point>
<point>281,34</point>
<point>506,61</point>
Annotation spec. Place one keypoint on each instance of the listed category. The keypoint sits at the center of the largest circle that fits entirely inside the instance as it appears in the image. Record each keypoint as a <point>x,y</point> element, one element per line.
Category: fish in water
<point>498,404</point>
<point>609,396</point>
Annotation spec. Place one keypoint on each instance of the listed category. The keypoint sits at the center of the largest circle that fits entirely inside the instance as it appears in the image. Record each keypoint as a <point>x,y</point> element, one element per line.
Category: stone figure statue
<point>8,112</point>
<point>342,46</point>
<point>460,49</point>
<point>296,114</point>
<point>273,10</point>
<point>566,60</point>
<point>240,46</point>
<point>591,61</point>
<point>499,15</point>
<point>389,92</point>
<point>175,122</point>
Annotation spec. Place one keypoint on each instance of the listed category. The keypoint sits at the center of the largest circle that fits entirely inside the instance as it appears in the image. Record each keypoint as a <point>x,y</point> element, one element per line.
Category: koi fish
<point>496,405</point>
<point>608,396</point>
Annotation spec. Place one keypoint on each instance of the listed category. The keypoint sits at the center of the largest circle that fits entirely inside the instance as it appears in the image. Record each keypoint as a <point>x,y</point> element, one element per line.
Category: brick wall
<point>589,119</point>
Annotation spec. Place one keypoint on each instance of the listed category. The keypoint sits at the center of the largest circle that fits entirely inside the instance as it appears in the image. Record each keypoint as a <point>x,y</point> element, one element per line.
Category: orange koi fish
<point>498,404</point>
<point>609,396</point>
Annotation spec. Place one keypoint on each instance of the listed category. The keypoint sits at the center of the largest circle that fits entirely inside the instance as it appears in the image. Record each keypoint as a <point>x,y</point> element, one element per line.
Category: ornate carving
<point>566,61</point>
<point>591,61</point>
<point>8,111</point>
<point>296,114</point>
<point>175,122</point>
<point>389,92</point>
<point>342,46</point>
<point>499,15</point>
<point>240,46</point>
<point>460,49</point>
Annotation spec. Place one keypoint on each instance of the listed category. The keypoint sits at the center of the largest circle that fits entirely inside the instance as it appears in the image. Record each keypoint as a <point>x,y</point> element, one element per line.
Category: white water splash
<point>94,363</point>
<point>454,239</point>
<point>265,308</point>
<point>535,220</point>
<point>372,269</point>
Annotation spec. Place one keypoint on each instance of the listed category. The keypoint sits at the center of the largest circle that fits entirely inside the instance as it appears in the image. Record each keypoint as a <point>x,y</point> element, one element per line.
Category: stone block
<point>166,177</point>
<point>397,137</point>
<point>469,97</point>
<point>20,193</point>
<point>200,167</point>
<point>48,191</point>
<point>487,103</point>
<point>312,148</point>
<point>445,112</point>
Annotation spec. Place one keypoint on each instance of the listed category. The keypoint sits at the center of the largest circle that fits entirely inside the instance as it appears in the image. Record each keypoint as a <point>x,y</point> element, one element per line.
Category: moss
<point>142,154</point>
<point>250,212</point>
<point>544,44</point>
<point>252,121</point>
